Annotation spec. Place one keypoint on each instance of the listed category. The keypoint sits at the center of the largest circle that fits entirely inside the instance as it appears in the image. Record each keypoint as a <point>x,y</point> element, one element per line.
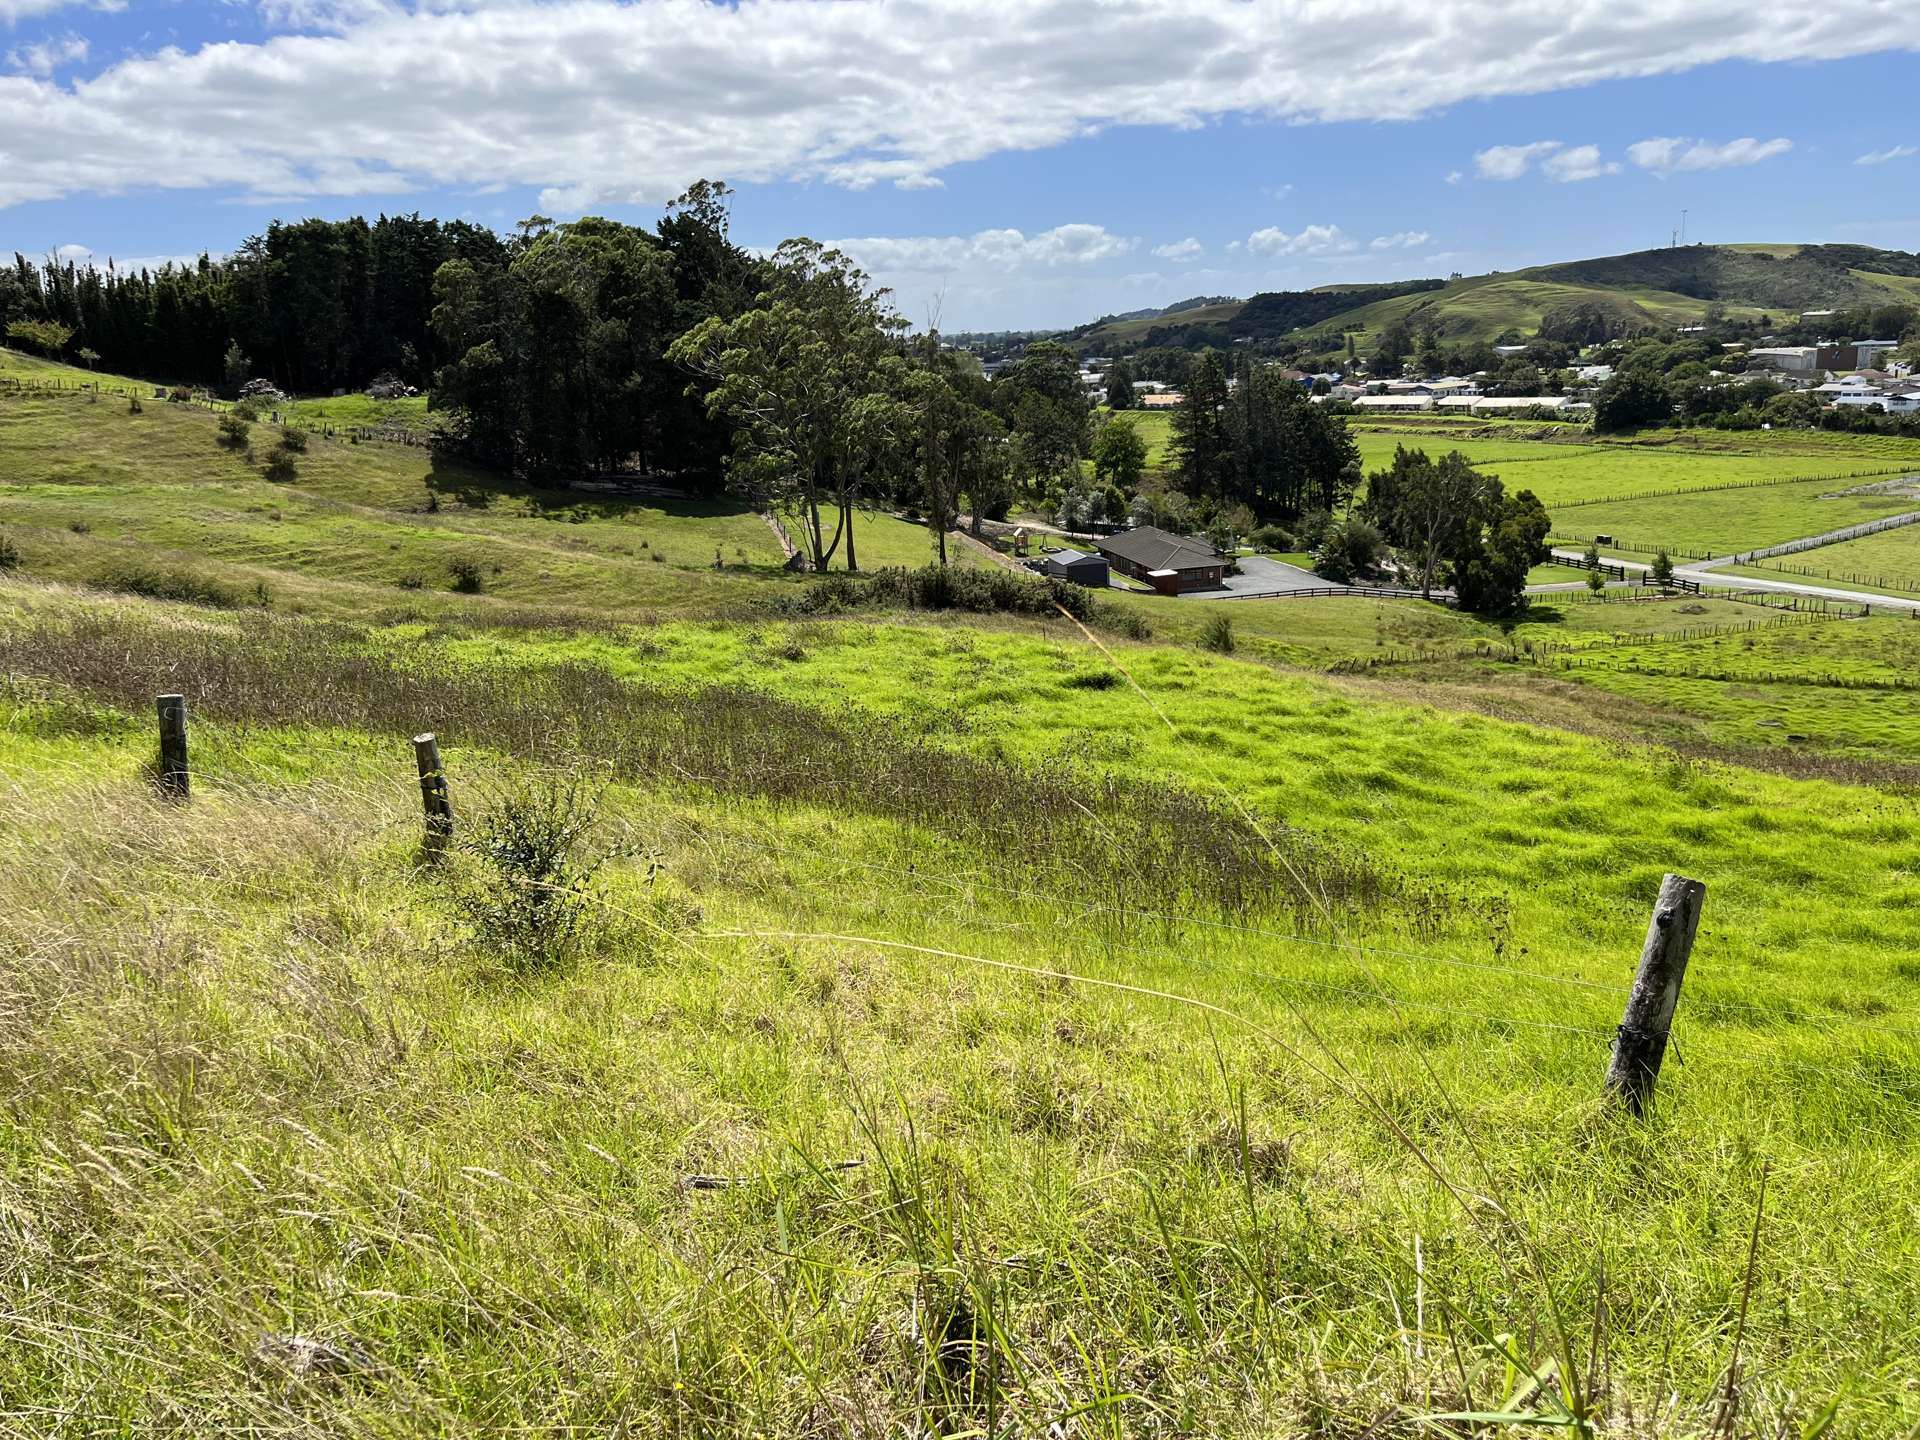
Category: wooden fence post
<point>433,792</point>
<point>1641,1042</point>
<point>173,745</point>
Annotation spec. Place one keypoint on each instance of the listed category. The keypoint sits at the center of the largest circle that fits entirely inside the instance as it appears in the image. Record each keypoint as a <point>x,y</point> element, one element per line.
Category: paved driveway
<point>1260,576</point>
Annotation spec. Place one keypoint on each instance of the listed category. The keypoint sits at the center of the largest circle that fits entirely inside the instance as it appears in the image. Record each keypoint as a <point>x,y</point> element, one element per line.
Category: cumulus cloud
<point>87,257</point>
<point>1582,162</point>
<point>1510,162</point>
<point>997,250</point>
<point>48,55</point>
<point>603,102</point>
<point>1399,240</point>
<point>1186,249</point>
<point>1669,155</point>
<point>1313,240</point>
<point>1881,157</point>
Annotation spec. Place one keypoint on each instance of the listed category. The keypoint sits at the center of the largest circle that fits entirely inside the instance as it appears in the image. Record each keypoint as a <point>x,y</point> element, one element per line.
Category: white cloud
<point>605,102</point>
<point>1399,240</point>
<point>992,250</point>
<point>1510,162</point>
<point>48,55</point>
<point>1668,155</point>
<point>1583,162</point>
<point>1454,177</point>
<point>14,11</point>
<point>1313,240</point>
<point>1881,157</point>
<point>1186,249</point>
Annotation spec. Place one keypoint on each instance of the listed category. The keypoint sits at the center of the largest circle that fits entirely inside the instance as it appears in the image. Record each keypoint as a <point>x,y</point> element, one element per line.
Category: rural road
<point>1706,576</point>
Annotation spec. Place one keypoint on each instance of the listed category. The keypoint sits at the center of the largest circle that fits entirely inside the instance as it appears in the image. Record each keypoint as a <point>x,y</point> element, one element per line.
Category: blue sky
<point>999,162</point>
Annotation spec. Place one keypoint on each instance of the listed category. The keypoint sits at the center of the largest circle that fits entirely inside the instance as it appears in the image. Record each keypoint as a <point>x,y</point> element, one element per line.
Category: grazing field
<point>748,1083</point>
<point>1725,521</point>
<point>933,1024</point>
<point>1887,559</point>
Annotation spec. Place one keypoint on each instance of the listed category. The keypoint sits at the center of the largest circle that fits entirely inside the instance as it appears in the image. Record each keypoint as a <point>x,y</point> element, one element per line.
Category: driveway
<point>1261,576</point>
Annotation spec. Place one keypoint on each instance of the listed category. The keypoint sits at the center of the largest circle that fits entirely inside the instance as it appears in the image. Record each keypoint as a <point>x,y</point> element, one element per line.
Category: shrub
<point>1217,633</point>
<point>179,395</point>
<point>1663,569</point>
<point>411,582</point>
<point>158,582</point>
<point>247,410</point>
<point>1272,537</point>
<point>1124,622</point>
<point>9,552</point>
<point>528,895</point>
<point>234,431</point>
<point>280,467</point>
<point>467,577</point>
<point>1093,680</point>
<point>294,439</point>
<point>943,587</point>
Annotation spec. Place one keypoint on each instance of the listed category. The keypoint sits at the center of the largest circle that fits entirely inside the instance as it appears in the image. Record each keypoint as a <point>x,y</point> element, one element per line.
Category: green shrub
<point>294,439</point>
<point>158,582</point>
<point>280,468</point>
<point>247,410</point>
<point>1217,633</point>
<point>527,895</point>
<point>1129,623</point>
<point>9,552</point>
<point>234,431</point>
<point>467,576</point>
<point>944,587</point>
<point>1272,537</point>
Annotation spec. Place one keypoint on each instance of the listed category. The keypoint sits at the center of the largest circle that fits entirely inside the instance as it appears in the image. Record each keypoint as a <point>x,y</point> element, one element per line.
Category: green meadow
<point>891,1022</point>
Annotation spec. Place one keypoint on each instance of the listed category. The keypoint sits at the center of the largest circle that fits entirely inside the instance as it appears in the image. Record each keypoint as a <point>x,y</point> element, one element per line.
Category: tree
<point>1120,386</point>
<point>1119,454</point>
<point>809,377</point>
<point>956,440</point>
<point>233,368</point>
<point>1491,577</point>
<point>1630,400</point>
<point>1596,582</point>
<point>1201,445</point>
<point>1351,550</point>
<point>1430,509</point>
<point>49,337</point>
<point>1041,396</point>
<point>1662,571</point>
<point>88,356</point>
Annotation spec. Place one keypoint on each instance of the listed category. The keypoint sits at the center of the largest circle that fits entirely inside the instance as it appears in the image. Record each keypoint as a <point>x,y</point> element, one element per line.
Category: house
<point>1496,404</point>
<point>1393,402</point>
<point>1076,567</point>
<point>1172,564</point>
<point>1165,400</point>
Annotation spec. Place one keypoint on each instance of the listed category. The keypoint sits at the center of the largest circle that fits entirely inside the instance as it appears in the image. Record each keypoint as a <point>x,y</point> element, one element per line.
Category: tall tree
<point>1202,445</point>
<point>1119,385</point>
<point>810,378</point>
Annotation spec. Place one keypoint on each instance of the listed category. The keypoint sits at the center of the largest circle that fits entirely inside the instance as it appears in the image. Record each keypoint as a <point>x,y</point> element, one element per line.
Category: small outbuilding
<point>1172,564</point>
<point>1076,567</point>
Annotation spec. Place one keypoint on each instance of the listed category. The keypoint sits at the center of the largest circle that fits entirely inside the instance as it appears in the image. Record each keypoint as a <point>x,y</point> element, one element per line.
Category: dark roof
<point>1159,549</point>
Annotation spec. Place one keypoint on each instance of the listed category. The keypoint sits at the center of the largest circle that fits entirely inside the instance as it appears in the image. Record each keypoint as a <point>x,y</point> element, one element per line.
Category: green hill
<point>1648,288</point>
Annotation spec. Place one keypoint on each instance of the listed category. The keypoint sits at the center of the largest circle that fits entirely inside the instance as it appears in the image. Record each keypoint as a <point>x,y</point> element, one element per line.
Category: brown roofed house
<point>1172,564</point>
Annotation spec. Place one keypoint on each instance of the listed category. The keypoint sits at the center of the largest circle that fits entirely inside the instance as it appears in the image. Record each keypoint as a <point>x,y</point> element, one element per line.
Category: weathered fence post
<point>173,745</point>
<point>433,792</point>
<point>1641,1042</point>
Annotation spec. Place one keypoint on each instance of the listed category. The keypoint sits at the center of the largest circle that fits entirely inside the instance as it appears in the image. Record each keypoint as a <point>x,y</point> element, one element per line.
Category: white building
<point>1790,359</point>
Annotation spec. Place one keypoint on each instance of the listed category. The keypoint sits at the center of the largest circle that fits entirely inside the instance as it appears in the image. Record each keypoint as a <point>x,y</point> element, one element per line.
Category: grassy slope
<point>1729,520</point>
<point>483,1182</point>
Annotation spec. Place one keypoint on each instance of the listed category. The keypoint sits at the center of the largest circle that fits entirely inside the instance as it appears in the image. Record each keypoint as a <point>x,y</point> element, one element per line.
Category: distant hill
<point>1647,289</point>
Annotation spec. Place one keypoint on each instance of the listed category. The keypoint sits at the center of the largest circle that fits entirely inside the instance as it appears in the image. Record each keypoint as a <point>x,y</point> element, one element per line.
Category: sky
<point>997,163</point>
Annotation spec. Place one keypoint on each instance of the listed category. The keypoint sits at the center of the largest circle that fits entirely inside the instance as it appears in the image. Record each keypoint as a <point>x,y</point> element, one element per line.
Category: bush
<point>1351,550</point>
<point>280,467</point>
<point>234,431</point>
<point>1217,634</point>
<point>528,894</point>
<point>1123,622</point>
<point>163,583</point>
<point>179,395</point>
<point>467,577</point>
<point>1272,537</point>
<point>9,552</point>
<point>294,439</point>
<point>247,410</point>
<point>1662,569</point>
<point>943,587</point>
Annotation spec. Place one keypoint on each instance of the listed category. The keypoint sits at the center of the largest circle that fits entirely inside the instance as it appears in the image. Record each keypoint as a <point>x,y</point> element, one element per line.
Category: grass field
<point>1889,559</point>
<point>974,1027</point>
<point>472,1182</point>
<point>1722,522</point>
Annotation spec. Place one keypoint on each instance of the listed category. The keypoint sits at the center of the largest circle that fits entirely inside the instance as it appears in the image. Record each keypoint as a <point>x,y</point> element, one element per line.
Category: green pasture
<point>1729,520</point>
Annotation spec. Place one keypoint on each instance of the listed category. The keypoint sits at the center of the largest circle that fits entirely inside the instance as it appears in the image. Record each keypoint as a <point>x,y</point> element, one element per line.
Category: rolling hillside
<point>1669,286</point>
